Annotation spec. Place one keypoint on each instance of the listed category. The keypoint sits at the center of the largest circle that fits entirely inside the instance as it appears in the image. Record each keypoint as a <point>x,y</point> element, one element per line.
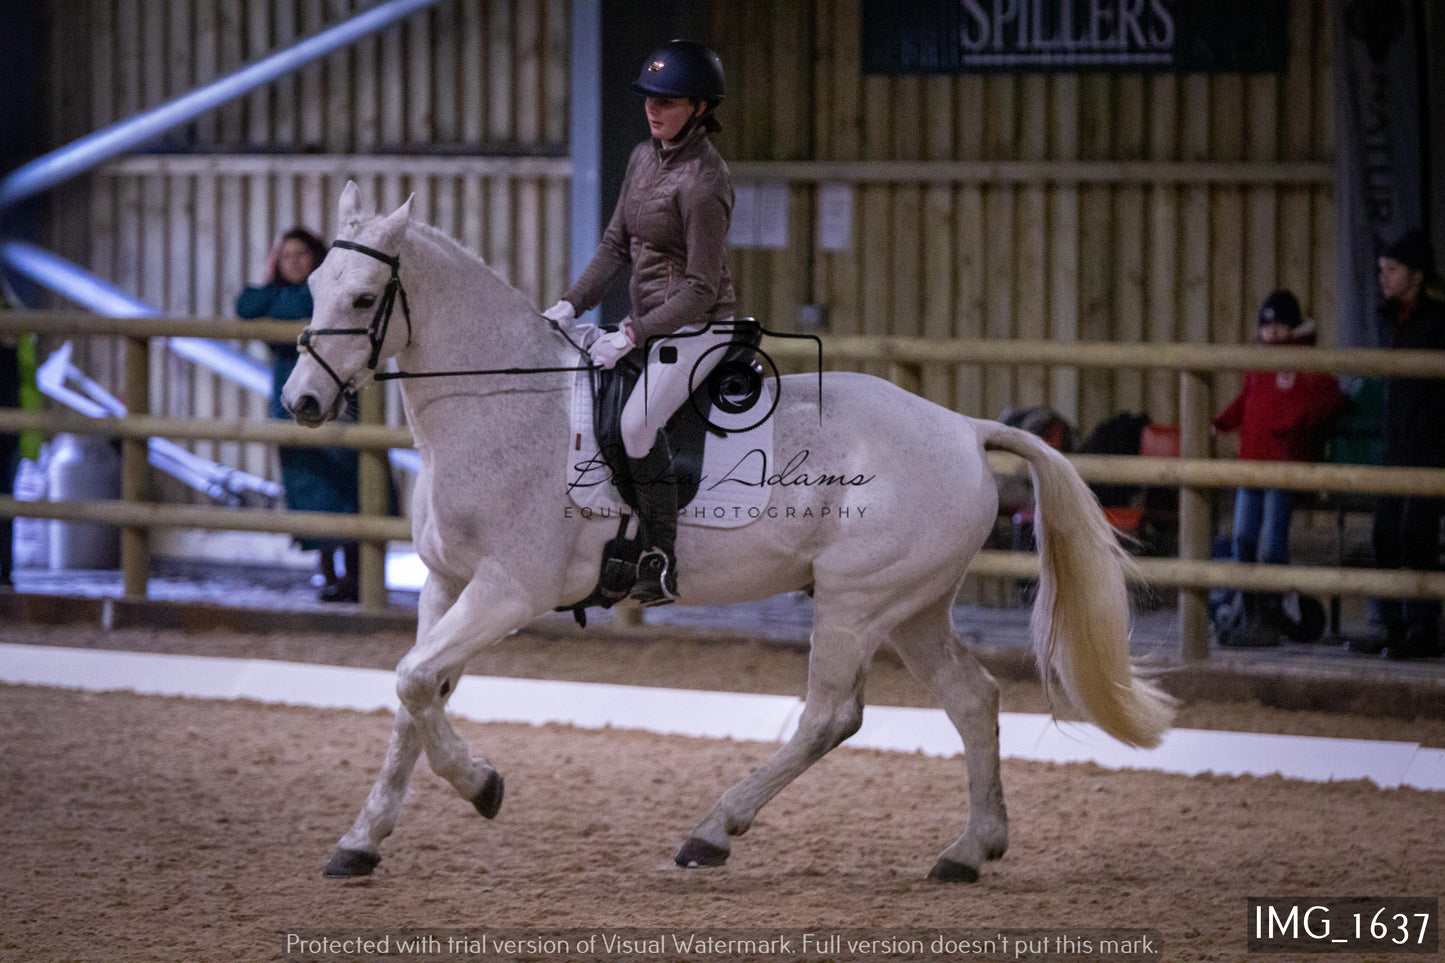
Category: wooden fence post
<point>135,546</point>
<point>1194,522</point>
<point>374,488</point>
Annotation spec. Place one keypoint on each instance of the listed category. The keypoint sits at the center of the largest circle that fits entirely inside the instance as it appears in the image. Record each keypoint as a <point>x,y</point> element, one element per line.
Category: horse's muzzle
<point>307,411</point>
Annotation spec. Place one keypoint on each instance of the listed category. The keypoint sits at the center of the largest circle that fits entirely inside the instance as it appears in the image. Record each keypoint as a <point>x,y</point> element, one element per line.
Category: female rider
<point>671,225</point>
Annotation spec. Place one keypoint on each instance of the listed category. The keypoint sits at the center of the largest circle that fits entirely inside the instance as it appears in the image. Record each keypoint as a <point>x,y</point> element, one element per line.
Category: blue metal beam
<point>66,162</point>
<point>585,133</point>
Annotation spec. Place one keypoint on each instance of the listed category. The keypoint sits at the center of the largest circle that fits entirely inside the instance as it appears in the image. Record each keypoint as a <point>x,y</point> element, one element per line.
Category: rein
<point>381,322</point>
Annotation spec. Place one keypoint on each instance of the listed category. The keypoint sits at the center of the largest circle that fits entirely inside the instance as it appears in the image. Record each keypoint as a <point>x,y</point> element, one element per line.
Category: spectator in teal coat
<point>316,479</point>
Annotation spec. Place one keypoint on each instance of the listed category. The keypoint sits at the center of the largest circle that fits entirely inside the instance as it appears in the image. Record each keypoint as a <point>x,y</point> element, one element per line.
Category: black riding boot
<point>657,506</point>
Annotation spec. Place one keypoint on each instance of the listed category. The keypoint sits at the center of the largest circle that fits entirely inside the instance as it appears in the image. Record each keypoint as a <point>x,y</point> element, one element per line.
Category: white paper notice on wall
<point>760,215</point>
<point>835,216</point>
<point>742,232</point>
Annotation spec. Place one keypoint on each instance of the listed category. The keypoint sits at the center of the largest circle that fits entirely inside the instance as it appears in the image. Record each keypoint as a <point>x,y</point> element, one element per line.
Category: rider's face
<point>667,115</point>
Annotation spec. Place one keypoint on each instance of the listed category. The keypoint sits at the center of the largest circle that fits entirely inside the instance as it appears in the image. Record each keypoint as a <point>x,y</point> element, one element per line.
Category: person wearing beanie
<point>1281,416</point>
<point>1406,531</point>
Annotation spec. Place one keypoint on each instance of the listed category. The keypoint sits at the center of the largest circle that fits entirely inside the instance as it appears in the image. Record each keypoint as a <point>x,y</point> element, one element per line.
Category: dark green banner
<point>1012,36</point>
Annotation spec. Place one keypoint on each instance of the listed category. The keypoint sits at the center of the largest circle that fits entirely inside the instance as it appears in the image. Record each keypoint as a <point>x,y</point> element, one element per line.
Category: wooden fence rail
<point>1194,472</point>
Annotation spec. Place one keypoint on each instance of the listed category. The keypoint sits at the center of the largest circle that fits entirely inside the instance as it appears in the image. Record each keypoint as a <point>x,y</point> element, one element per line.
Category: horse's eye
<point>364,301</point>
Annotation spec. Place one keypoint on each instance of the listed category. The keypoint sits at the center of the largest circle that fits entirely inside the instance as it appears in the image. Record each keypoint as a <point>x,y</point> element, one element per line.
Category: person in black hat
<point>1407,528</point>
<point>671,226</point>
<point>1281,416</point>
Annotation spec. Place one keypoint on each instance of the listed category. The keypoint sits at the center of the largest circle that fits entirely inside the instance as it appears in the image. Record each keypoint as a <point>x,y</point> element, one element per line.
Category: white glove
<point>610,348</point>
<point>564,316</point>
<point>562,312</point>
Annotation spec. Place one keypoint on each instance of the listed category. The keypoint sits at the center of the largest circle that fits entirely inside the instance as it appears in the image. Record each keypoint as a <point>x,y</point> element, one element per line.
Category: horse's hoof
<point>489,800</point>
<point>700,852</point>
<point>350,862</point>
<point>952,871</point>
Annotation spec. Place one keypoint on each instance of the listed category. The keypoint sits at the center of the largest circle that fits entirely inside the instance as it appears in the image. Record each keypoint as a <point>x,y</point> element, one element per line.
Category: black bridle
<point>381,321</point>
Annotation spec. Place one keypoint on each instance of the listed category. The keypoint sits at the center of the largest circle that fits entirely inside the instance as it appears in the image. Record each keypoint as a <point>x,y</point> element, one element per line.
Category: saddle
<point>684,436</point>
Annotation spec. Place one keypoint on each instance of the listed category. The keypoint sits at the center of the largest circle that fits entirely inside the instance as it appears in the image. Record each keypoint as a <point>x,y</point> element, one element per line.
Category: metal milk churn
<point>83,467</point>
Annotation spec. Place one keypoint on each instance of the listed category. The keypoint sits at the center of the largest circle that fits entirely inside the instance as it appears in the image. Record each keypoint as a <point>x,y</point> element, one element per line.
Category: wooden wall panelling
<point>231,53</point>
<point>904,263</point>
<point>1000,240</point>
<point>366,98</point>
<point>420,93</point>
<point>1062,244</point>
<point>1130,237</point>
<point>286,92</point>
<point>1231,320</point>
<point>1261,205</point>
<point>970,242</point>
<point>938,237</point>
<point>556,79</point>
<point>177,27</point>
<point>1096,268</point>
<point>206,297</point>
<point>392,87</point>
<point>258,129</point>
<point>1031,273</point>
<point>206,53</point>
<point>311,86</point>
<point>234,271</point>
<point>1162,305</point>
<point>789,267</point>
<point>1194,216</point>
<point>875,267</point>
<point>1322,145</point>
<point>1297,120</point>
<point>1034,252</point>
<point>842,295</point>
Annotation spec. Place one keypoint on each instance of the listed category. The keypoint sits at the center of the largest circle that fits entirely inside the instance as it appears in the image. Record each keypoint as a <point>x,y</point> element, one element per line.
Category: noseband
<point>380,321</point>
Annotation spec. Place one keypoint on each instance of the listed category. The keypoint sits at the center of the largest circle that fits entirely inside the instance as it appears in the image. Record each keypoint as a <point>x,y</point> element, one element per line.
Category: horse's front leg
<point>359,851</point>
<point>491,605</point>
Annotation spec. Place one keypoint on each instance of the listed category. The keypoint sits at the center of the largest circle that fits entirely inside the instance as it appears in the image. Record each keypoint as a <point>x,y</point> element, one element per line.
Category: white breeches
<point>665,387</point>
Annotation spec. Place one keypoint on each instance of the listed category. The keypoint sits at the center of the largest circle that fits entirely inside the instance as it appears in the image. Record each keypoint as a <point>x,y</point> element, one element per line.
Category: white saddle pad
<point>733,492</point>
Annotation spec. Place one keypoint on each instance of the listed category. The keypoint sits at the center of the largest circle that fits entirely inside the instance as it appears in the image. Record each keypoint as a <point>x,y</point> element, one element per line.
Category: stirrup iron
<point>656,579</point>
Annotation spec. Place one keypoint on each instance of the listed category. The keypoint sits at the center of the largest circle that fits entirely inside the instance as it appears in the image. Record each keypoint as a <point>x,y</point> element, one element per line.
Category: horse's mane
<point>459,251</point>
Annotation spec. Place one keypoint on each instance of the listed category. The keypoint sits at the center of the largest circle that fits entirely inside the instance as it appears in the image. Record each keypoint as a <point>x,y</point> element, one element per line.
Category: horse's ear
<point>393,226</point>
<point>350,207</point>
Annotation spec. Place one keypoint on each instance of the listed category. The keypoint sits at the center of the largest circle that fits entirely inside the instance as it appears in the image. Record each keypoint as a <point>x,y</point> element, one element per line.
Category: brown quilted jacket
<point>671,225</point>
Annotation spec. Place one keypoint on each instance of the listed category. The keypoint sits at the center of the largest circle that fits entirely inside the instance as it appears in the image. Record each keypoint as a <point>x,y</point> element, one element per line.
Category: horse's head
<point>356,290</point>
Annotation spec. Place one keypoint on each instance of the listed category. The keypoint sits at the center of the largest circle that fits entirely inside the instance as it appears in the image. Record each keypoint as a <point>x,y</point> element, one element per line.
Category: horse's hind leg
<point>969,695</point>
<point>837,667</point>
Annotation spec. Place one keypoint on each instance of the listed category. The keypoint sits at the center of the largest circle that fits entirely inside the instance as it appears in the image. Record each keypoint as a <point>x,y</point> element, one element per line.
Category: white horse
<point>490,522</point>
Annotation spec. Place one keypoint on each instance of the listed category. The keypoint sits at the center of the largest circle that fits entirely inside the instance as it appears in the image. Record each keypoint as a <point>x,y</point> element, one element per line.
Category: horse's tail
<point>1080,621</point>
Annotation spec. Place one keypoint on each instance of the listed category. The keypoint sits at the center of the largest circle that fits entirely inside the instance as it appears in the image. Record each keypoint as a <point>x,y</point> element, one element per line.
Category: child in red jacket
<point>1280,415</point>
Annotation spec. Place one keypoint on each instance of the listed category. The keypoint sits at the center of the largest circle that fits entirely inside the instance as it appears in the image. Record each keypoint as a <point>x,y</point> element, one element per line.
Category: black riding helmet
<point>682,68</point>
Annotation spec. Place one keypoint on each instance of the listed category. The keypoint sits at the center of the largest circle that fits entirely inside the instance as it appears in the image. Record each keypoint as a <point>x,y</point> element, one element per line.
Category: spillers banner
<point>1007,36</point>
<point>1379,194</point>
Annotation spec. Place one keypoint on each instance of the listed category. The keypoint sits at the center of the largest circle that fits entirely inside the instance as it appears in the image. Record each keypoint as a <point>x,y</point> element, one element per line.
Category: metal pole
<point>1193,514</point>
<point>585,133</point>
<point>135,547</point>
<point>75,282</point>
<point>66,162</point>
